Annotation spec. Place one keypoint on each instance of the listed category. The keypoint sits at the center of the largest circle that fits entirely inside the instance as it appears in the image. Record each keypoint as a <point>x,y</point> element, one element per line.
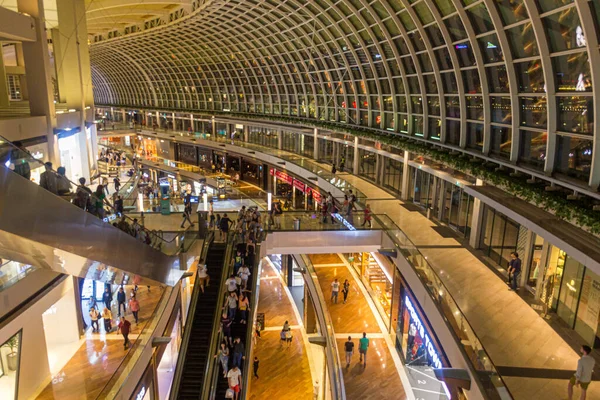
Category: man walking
<point>233,378</point>
<point>583,375</point>
<point>124,328</point>
<point>514,268</point>
<point>106,298</point>
<point>255,367</point>
<point>349,347</point>
<point>363,346</point>
<point>94,315</point>
<point>134,306</point>
<point>48,179</point>
<point>187,213</point>
<point>335,290</point>
<point>238,352</point>
<point>121,301</point>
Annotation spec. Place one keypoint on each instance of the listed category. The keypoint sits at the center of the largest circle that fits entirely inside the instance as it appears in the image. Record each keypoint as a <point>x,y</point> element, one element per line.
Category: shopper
<point>514,270</point>
<point>231,284</point>
<point>119,207</point>
<point>583,375</point>
<point>238,352</point>
<point>335,289</point>
<point>117,183</point>
<point>244,274</point>
<point>134,306</point>
<point>107,297</point>
<point>187,214</point>
<point>243,304</point>
<point>224,225</point>
<point>48,179</point>
<point>124,327</point>
<point>367,213</point>
<point>232,302</point>
<point>255,367</point>
<point>282,338</point>
<point>288,337</point>
<point>94,316</point>
<point>63,185</point>
<point>121,298</point>
<point>226,328</point>
<point>223,355</point>
<point>349,348</point>
<point>286,326</point>
<point>107,317</point>
<point>345,290</point>
<point>203,277</point>
<point>99,201</point>
<point>277,212</point>
<point>363,346</point>
<point>233,379</point>
<point>82,196</point>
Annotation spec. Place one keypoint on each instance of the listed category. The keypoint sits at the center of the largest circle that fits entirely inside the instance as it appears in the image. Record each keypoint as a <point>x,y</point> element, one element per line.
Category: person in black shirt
<point>514,269</point>
<point>107,298</point>
<point>121,298</point>
<point>255,367</point>
<point>224,225</point>
<point>349,348</point>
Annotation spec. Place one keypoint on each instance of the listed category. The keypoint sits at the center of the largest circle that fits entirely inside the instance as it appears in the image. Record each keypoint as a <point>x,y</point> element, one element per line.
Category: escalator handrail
<point>253,299</point>
<point>187,330</point>
<point>31,159</point>
<point>212,366</point>
<point>334,364</point>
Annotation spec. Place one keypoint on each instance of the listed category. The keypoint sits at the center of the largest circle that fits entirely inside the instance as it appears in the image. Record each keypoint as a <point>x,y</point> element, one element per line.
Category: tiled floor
<point>284,372</point>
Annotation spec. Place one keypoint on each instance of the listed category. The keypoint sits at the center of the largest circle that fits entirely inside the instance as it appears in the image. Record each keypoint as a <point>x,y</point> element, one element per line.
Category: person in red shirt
<point>367,212</point>
<point>125,328</point>
<point>134,306</point>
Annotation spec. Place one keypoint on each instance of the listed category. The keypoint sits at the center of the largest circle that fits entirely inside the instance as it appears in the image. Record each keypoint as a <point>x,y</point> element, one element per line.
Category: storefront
<point>149,147</point>
<point>367,164</point>
<point>416,343</point>
<point>145,388</point>
<point>252,173</point>
<point>377,273</point>
<point>326,151</point>
<point>204,158</point>
<point>70,155</point>
<point>187,154</point>
<point>233,164</point>
<point>262,136</point>
<point>283,184</point>
<point>499,237</point>
<point>307,145</point>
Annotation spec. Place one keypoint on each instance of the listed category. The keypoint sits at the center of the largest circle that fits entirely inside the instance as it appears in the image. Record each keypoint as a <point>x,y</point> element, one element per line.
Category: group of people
<point>236,307</point>
<point>335,290</point>
<point>123,325</point>
<point>363,346</point>
<point>113,157</point>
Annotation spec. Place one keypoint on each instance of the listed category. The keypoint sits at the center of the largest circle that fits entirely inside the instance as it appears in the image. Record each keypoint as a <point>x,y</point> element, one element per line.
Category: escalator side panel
<point>27,211</point>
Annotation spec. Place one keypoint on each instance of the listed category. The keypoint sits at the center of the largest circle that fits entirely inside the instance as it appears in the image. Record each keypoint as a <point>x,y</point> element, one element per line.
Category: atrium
<point>299,199</point>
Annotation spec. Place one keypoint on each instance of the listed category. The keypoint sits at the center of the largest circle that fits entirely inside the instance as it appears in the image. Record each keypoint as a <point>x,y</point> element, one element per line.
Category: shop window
<point>574,157</point>
<point>570,290</point>
<point>14,87</point>
<point>588,312</point>
<point>10,356</point>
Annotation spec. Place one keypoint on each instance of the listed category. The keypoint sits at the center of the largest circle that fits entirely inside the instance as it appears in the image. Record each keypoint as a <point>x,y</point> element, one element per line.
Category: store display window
<point>10,355</point>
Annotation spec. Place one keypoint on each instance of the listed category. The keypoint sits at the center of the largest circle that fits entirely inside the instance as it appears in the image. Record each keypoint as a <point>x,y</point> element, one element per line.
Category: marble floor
<point>94,363</point>
<point>380,379</point>
<point>284,372</point>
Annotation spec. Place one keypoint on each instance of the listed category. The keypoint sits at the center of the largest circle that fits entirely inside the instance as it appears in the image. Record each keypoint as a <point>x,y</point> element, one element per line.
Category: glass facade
<point>499,237</point>
<point>392,174</point>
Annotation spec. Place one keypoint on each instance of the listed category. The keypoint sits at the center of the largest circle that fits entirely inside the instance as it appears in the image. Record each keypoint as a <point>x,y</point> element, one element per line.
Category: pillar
<point>405,177</point>
<point>58,57</point>
<point>477,220</point>
<point>356,160</point>
<point>213,129</point>
<point>246,133</point>
<point>192,123</point>
<point>316,144</point>
<point>279,139</point>
<point>173,120</point>
<point>38,76</point>
<point>4,99</point>
<point>157,119</point>
<point>124,115</point>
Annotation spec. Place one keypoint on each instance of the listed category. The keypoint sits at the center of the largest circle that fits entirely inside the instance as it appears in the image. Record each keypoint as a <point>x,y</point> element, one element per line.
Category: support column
<point>316,144</point>
<point>477,223</point>
<point>157,119</point>
<point>213,129</point>
<point>192,123</point>
<point>173,121</point>
<point>279,139</point>
<point>356,160</point>
<point>4,99</point>
<point>405,177</point>
<point>246,133</point>
<point>124,116</point>
<point>37,73</point>
<point>57,46</point>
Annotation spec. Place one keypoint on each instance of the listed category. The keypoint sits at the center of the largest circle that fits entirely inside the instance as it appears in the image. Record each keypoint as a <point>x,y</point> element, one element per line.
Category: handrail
<point>334,364</point>
<point>211,372</point>
<point>253,299</point>
<point>187,330</point>
<point>28,158</point>
<point>479,359</point>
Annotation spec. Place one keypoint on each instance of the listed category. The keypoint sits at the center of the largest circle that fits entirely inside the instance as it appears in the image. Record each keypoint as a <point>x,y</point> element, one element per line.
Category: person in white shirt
<point>335,290</point>
<point>583,375</point>
<point>203,277</point>
<point>231,284</point>
<point>233,378</point>
<point>244,273</point>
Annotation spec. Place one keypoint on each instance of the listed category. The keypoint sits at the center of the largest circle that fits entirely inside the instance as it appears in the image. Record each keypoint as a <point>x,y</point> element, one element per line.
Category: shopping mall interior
<point>299,199</point>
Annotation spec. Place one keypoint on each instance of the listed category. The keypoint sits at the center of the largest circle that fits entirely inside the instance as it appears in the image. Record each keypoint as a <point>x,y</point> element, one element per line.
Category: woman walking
<point>345,289</point>
<point>223,355</point>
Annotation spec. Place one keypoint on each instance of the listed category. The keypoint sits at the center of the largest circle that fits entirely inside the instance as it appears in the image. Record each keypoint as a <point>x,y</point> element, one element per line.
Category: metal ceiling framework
<point>502,78</point>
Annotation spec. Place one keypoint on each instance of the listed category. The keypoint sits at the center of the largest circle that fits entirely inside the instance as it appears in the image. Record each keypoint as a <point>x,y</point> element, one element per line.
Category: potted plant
<point>12,358</point>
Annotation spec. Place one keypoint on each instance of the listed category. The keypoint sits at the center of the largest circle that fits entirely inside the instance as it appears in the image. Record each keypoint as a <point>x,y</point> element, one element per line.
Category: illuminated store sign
<point>421,329</point>
<point>141,394</point>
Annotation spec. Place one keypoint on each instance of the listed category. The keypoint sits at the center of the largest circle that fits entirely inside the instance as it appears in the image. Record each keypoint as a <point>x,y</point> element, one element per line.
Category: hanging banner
<point>299,185</point>
<point>284,177</point>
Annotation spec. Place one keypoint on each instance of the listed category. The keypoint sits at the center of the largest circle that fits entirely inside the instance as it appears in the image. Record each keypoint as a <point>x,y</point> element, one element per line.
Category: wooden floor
<point>378,380</point>
<point>284,373</point>
<point>353,317</point>
<point>92,366</point>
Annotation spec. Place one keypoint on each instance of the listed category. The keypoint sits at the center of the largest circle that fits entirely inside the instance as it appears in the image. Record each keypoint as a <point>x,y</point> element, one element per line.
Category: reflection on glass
<point>453,132</point>
<point>474,107</point>
<point>522,41</point>
<point>588,311</point>
<point>512,11</point>
<point>572,73</point>
<point>575,114</point>
<point>574,157</point>
<point>497,79</point>
<point>10,355</point>
<point>530,76</point>
<point>501,109</point>
<point>533,111</point>
<point>532,149</point>
<point>535,264</point>
<point>564,30</point>
<point>474,136</point>
<point>11,272</point>
<point>501,141</point>
<point>569,290</point>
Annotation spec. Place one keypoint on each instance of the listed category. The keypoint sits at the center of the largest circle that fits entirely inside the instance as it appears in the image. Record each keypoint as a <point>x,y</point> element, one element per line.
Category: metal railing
<point>187,330</point>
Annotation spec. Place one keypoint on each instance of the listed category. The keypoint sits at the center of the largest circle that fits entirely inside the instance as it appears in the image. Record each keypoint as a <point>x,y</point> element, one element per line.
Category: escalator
<point>197,354</point>
<point>45,230</point>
